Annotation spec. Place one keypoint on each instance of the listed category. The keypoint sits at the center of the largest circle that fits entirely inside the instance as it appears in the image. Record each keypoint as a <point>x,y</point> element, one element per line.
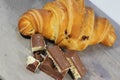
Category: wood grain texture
<point>102,63</point>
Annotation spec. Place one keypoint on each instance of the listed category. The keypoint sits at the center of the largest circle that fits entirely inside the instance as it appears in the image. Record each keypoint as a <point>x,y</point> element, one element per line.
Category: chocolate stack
<point>53,61</point>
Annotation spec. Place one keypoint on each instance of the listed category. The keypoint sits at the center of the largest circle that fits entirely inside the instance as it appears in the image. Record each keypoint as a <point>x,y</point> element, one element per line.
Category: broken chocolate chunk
<point>38,56</point>
<point>37,42</point>
<point>77,68</point>
<point>32,64</point>
<point>58,57</point>
<point>48,67</point>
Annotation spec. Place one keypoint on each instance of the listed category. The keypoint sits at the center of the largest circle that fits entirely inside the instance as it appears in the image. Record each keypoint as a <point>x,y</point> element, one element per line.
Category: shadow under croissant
<point>25,36</point>
<point>50,41</point>
<point>46,40</point>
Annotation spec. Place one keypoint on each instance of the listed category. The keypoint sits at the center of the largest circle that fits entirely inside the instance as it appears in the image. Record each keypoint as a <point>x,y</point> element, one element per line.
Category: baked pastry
<point>69,23</point>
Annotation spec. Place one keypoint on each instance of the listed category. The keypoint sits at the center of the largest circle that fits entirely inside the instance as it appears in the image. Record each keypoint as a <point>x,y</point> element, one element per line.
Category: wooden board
<point>102,63</point>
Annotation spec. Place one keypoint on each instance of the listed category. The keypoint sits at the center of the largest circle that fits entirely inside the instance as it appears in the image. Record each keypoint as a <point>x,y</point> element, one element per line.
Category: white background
<point>110,7</point>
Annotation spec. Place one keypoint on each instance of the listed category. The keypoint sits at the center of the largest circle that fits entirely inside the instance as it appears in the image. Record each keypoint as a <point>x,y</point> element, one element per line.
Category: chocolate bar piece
<point>77,69</point>
<point>58,57</point>
<point>48,67</point>
<point>38,56</point>
<point>42,52</point>
<point>37,42</point>
<point>32,64</point>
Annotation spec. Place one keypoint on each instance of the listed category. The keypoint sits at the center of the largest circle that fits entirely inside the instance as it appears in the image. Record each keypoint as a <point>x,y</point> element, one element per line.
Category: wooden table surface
<point>102,63</point>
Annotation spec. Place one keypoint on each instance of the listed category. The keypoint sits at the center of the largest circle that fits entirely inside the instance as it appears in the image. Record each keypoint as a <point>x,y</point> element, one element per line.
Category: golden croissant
<point>69,24</point>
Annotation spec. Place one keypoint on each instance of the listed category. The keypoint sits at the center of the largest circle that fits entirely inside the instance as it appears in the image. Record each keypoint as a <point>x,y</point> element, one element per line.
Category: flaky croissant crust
<point>69,23</point>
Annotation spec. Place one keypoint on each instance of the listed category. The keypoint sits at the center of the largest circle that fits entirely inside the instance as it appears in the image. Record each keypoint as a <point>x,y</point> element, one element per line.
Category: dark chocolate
<point>42,52</point>
<point>73,56</point>
<point>85,37</point>
<point>58,58</point>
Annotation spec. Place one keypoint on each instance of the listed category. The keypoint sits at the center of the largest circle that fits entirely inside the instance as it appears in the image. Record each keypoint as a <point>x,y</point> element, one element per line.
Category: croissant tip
<point>25,36</point>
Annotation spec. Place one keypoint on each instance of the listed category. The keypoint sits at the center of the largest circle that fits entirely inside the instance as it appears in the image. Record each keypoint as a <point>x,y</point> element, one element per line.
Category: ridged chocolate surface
<point>73,56</point>
<point>59,57</point>
<point>48,67</point>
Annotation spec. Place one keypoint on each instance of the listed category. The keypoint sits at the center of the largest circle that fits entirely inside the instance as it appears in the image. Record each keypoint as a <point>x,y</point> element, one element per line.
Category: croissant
<point>69,23</point>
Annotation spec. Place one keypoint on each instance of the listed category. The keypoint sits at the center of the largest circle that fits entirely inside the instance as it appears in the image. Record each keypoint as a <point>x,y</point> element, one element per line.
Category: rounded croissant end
<point>25,27</point>
<point>110,38</point>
